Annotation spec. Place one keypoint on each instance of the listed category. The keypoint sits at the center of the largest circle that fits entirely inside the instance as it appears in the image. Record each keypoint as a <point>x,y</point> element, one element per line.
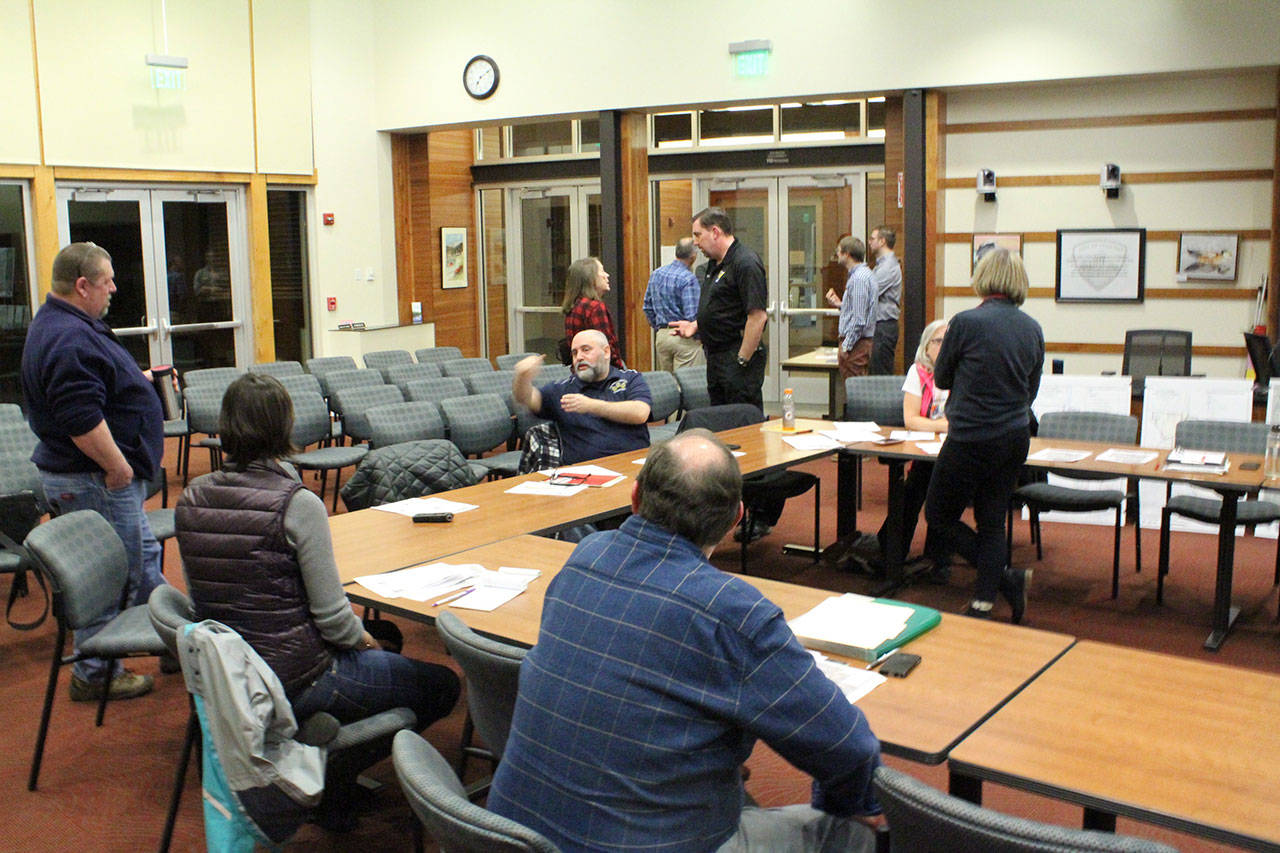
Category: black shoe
<point>752,532</point>
<point>1013,586</point>
<point>939,574</point>
<point>974,613</point>
<point>867,546</point>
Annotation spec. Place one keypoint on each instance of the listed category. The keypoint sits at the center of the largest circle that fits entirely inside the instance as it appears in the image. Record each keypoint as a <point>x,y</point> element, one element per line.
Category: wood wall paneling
<point>1152,236</point>
<point>634,152</point>
<point>1273,299</point>
<point>1085,122</point>
<point>456,312</point>
<point>1228,293</point>
<point>1091,179</point>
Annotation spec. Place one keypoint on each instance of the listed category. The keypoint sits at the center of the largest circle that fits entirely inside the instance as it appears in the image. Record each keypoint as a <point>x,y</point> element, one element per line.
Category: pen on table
<point>884,657</point>
<point>797,431</point>
<point>455,596</point>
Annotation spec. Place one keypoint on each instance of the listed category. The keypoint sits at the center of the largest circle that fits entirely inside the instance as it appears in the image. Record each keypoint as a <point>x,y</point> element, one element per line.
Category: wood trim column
<point>634,149</point>
<point>401,203</point>
<point>264,331</point>
<point>44,213</point>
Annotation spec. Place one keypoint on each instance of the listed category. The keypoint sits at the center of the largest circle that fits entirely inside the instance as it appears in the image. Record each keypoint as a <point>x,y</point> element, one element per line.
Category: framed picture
<point>1211,257</point>
<point>453,257</point>
<point>1101,264</point>
<point>982,243</point>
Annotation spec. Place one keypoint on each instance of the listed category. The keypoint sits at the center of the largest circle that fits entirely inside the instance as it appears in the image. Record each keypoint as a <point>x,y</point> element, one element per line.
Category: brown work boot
<point>125,685</point>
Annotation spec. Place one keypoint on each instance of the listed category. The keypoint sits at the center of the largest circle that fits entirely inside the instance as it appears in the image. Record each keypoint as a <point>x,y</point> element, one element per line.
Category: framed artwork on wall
<point>982,243</point>
<point>453,257</point>
<point>1101,264</point>
<point>1208,257</point>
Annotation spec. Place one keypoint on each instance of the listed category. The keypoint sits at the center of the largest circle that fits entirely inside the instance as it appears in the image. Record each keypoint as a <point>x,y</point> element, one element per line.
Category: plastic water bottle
<point>789,417</point>
<point>1271,467</point>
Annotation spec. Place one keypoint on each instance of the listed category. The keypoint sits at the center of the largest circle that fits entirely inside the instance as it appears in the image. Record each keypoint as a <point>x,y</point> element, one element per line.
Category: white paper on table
<point>912,435</point>
<point>854,681</point>
<point>852,620</point>
<point>413,506</point>
<point>420,583</point>
<point>494,589</point>
<point>534,487</point>
<point>811,441</point>
<point>587,471</point>
<point>1058,454</point>
<point>1121,456</point>
<point>930,447</point>
<point>849,432</point>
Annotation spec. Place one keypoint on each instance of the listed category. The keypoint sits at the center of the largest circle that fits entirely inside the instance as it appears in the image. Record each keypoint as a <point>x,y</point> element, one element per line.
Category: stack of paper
<point>851,625</point>
<point>482,589</point>
<point>1198,461</point>
<point>413,506</point>
<point>851,432</point>
<point>493,589</point>
<point>1058,454</point>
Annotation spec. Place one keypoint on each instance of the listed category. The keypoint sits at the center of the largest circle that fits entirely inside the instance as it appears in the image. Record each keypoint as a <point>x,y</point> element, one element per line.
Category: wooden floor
<point>106,789</point>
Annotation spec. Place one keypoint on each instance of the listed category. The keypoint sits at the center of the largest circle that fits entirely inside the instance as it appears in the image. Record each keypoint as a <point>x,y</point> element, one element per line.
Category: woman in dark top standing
<point>584,285</point>
<point>991,360</point>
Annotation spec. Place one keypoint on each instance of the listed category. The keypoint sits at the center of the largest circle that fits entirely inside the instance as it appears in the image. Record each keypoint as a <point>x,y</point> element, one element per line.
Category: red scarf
<point>926,388</point>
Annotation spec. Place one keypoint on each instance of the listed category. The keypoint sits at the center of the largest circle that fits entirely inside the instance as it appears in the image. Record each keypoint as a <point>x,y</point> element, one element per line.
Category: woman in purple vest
<point>258,557</point>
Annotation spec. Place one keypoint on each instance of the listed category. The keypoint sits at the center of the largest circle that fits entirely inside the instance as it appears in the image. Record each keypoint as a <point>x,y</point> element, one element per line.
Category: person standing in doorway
<point>672,295</point>
<point>857,309</point>
<point>888,279</point>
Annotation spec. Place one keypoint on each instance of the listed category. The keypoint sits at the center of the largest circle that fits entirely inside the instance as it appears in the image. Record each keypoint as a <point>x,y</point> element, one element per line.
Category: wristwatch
<point>742,362</point>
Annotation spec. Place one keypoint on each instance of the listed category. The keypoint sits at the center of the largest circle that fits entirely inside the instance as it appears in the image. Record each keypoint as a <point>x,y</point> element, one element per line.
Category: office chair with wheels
<point>1155,352</point>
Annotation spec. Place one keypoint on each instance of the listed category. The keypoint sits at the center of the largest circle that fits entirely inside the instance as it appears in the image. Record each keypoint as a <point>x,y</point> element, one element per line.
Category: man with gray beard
<point>600,409</point>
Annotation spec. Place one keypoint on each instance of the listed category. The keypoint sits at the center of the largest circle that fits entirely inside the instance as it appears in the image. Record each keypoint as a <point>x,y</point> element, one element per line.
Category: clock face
<point>480,77</point>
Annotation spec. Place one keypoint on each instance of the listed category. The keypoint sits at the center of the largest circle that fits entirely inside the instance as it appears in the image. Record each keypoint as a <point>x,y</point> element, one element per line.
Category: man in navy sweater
<point>101,432</point>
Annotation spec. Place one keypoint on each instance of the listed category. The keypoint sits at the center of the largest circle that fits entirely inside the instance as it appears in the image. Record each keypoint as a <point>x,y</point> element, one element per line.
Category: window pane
<point>494,234</point>
<point>15,305</point>
<point>196,246</point>
<point>736,126</point>
<point>287,234</point>
<point>117,227</point>
<point>875,117</point>
<point>673,130</point>
<point>547,137</point>
<point>590,133</point>
<point>827,120</point>
<point>490,143</point>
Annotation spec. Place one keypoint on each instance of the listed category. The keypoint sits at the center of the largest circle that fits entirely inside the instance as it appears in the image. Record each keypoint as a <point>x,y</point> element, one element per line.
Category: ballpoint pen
<point>884,657</point>
<point>455,596</point>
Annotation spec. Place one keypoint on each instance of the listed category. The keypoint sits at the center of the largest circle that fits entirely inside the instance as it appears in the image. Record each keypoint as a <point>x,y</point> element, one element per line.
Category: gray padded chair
<point>340,380</point>
<point>409,469</point>
<point>440,802</point>
<point>87,571</point>
<point>277,368</point>
<point>499,382</point>
<point>464,366</point>
<point>435,390</point>
<point>1232,437</point>
<point>17,471</point>
<point>409,421</point>
<point>549,373</point>
<point>311,425</point>
<point>665,394</point>
<point>294,383</point>
<point>400,375</point>
<point>511,359</point>
<point>222,376</point>
<point>386,358</point>
<point>435,355</point>
<point>322,367</point>
<point>872,398</point>
<point>161,521</point>
<point>693,387</point>
<point>923,819</point>
<point>1045,497</point>
<point>204,410</point>
<point>493,674</point>
<point>477,424</point>
<point>353,404</point>
<point>169,611</point>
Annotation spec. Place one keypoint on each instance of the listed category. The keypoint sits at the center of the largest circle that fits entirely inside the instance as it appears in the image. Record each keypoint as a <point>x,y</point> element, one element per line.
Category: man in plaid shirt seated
<point>652,678</point>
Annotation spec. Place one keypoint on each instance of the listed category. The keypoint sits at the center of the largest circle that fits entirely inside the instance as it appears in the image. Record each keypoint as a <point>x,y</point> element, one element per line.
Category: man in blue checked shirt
<point>672,295</point>
<point>653,676</point>
<point>857,309</point>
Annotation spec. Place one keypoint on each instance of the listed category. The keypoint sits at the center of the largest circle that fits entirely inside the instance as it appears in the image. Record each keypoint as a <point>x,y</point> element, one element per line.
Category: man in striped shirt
<point>653,676</point>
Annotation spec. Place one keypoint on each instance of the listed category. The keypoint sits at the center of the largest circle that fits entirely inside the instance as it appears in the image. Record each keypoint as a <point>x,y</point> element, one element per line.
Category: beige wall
<point>282,85</point>
<point>19,136</point>
<point>1239,205</point>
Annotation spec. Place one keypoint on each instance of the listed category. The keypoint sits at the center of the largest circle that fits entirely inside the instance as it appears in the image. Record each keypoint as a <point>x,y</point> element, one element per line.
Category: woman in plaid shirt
<point>586,283</point>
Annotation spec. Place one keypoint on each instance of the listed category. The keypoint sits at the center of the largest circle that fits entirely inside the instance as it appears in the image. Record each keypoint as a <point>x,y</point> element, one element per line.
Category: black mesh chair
<point>1231,437</point>
<point>759,490</point>
<point>872,398</point>
<point>1155,352</point>
<point>923,819</point>
<point>1045,497</point>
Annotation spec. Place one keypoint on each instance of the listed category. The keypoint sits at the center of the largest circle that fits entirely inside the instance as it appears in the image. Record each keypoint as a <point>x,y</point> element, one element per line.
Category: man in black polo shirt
<point>731,313</point>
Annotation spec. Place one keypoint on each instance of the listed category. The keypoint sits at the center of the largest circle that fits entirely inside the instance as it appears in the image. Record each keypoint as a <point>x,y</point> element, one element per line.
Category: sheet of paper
<point>854,681</point>
<point>912,435</point>
<point>852,620</point>
<point>812,441</point>
<point>534,487</point>
<point>422,583</point>
<point>1121,456</point>
<point>929,447</point>
<point>851,431</point>
<point>1058,454</point>
<point>413,506</point>
<point>486,598</point>
<point>1197,457</point>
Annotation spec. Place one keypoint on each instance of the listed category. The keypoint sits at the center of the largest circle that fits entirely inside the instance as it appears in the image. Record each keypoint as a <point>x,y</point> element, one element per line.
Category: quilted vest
<point>242,572</point>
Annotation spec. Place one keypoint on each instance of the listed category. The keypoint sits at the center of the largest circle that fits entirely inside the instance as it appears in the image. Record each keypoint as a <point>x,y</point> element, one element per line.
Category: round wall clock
<point>480,77</point>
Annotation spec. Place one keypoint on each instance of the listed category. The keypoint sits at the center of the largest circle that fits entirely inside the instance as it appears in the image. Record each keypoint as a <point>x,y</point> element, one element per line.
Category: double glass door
<point>181,269</point>
<point>554,226</point>
<point>794,224</point>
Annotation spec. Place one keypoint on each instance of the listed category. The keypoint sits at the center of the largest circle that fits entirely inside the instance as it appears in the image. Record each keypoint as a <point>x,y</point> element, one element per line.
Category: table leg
<point>894,548</point>
<point>967,788</point>
<point>846,506</point>
<point>1223,613</point>
<point>1099,820</point>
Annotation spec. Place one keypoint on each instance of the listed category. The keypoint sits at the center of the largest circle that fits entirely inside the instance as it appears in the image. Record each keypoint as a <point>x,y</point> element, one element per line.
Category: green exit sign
<point>752,63</point>
<point>168,78</point>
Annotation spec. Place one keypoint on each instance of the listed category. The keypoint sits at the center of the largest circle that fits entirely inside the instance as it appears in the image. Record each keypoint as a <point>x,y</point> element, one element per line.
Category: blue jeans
<point>360,683</point>
<point>123,509</point>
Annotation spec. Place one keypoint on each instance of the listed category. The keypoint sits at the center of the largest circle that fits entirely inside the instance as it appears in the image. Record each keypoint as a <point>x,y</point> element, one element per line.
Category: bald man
<point>600,409</point>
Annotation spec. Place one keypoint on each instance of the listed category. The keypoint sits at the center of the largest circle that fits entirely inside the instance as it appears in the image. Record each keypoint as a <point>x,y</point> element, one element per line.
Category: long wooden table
<point>370,541</point>
<point>824,361</point>
<point>969,668</point>
<point>1231,485</point>
<point>1176,742</point>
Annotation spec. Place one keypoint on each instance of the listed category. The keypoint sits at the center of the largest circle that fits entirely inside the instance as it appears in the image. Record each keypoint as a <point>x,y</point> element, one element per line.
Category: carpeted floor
<point>106,789</point>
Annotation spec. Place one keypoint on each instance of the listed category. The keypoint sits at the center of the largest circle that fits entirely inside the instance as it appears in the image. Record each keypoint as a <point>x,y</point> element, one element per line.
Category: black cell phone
<point>734,446</point>
<point>899,664</point>
<point>432,517</point>
<point>1249,466</point>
